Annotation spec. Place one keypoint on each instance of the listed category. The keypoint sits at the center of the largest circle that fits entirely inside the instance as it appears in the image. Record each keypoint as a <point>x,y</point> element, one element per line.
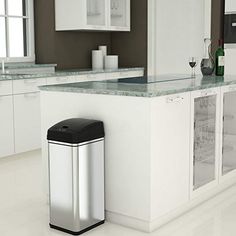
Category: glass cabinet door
<point>119,12</point>
<point>204,156</point>
<point>229,133</point>
<point>96,15</point>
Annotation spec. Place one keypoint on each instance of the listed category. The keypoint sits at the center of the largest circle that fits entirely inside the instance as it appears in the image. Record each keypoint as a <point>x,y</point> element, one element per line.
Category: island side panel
<point>170,154</point>
<point>127,147</point>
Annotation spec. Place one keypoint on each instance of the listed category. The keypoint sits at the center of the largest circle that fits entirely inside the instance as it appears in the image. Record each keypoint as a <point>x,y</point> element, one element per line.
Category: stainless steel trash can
<point>76,175</point>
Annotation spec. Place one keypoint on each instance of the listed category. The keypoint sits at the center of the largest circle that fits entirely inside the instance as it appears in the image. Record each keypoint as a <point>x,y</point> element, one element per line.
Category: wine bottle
<point>220,59</point>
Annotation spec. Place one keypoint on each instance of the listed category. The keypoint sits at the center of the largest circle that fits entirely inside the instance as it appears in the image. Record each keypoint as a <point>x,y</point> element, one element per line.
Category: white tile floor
<point>23,211</point>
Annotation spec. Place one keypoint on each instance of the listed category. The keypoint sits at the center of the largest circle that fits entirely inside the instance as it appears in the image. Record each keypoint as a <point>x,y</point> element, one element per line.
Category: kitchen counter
<point>149,134</point>
<point>144,86</point>
<point>64,73</point>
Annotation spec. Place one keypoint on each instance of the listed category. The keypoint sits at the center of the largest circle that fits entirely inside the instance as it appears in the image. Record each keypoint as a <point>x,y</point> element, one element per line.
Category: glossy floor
<point>23,211</point>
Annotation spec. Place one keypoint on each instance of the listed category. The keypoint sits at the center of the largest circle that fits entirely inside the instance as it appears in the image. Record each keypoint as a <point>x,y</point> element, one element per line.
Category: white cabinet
<point>60,80</point>
<point>230,6</point>
<point>27,85</point>
<point>5,88</point>
<point>6,126</point>
<point>170,143</point>
<point>205,129</point>
<point>108,15</point>
<point>27,122</point>
<point>228,132</point>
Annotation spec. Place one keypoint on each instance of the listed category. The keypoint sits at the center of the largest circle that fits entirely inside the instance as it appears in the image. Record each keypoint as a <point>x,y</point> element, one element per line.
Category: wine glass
<point>193,64</point>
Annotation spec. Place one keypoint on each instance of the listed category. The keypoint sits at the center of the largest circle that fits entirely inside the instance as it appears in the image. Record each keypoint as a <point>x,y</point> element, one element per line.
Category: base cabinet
<point>228,131</point>
<point>6,125</point>
<point>170,137</point>
<point>205,119</point>
<point>27,122</point>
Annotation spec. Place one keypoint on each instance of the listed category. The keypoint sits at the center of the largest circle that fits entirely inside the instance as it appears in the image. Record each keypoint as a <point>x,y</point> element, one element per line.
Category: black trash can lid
<point>76,131</point>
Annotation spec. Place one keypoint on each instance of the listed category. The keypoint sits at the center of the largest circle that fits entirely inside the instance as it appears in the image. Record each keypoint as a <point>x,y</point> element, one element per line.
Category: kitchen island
<point>169,141</point>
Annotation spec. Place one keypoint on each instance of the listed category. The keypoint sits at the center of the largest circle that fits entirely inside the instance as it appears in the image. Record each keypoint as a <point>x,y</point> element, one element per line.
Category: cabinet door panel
<point>28,85</point>
<point>120,14</point>
<point>229,133</point>
<point>6,125</point>
<point>96,12</point>
<point>5,88</point>
<point>27,122</point>
<point>205,139</point>
<point>170,142</point>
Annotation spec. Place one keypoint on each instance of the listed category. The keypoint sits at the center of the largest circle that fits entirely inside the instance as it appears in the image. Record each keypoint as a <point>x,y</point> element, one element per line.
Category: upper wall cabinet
<point>104,15</point>
<point>230,6</point>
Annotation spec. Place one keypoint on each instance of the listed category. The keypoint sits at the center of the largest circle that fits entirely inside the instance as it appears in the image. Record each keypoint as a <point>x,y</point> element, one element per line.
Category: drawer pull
<point>124,74</point>
<point>207,93</point>
<point>232,88</point>
<point>61,79</point>
<point>233,24</point>
<point>30,81</point>
<point>174,99</point>
<point>31,95</point>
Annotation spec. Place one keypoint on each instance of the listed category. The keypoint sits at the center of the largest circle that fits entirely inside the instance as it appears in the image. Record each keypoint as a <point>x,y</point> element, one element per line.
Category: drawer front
<point>60,80</point>
<point>28,85</point>
<point>5,88</point>
<point>27,122</point>
<point>81,78</point>
<point>6,126</point>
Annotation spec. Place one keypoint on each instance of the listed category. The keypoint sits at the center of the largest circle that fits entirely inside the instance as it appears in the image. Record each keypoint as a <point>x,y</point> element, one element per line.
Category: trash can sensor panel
<point>76,131</point>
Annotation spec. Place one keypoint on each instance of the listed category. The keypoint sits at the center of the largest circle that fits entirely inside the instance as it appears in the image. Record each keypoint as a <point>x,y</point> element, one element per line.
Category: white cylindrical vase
<point>111,62</point>
<point>103,48</point>
<point>97,60</point>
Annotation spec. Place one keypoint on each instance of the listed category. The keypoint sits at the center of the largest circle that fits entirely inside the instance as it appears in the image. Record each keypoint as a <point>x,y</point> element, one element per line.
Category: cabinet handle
<point>207,93</point>
<point>30,95</point>
<point>174,99</point>
<point>30,81</point>
<point>233,24</point>
<point>232,88</point>
<point>92,76</point>
<point>61,79</point>
<point>124,74</point>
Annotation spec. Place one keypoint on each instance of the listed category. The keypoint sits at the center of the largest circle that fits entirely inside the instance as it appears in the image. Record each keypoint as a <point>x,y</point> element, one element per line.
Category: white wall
<point>176,32</point>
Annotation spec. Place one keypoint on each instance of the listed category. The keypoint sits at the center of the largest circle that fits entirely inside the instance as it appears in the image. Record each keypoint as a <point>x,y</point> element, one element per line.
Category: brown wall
<point>67,49</point>
<point>73,49</point>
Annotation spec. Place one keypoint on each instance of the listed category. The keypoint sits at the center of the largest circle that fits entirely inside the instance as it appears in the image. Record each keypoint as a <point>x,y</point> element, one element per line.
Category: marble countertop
<point>64,73</point>
<point>156,86</point>
<point>26,65</point>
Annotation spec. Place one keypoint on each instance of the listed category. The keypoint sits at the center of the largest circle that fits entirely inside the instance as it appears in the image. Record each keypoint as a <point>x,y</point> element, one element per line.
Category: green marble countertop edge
<point>152,90</point>
<point>65,73</point>
<point>26,65</point>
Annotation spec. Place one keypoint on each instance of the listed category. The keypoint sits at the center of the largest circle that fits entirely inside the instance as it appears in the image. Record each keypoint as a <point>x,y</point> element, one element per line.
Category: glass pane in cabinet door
<point>119,13</point>
<point>2,7</point>
<point>17,7</point>
<point>17,37</point>
<point>229,133</point>
<point>96,12</point>
<point>2,37</point>
<point>204,140</point>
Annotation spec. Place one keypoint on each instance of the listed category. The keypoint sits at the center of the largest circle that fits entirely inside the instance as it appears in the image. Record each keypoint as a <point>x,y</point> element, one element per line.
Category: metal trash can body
<point>76,175</point>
